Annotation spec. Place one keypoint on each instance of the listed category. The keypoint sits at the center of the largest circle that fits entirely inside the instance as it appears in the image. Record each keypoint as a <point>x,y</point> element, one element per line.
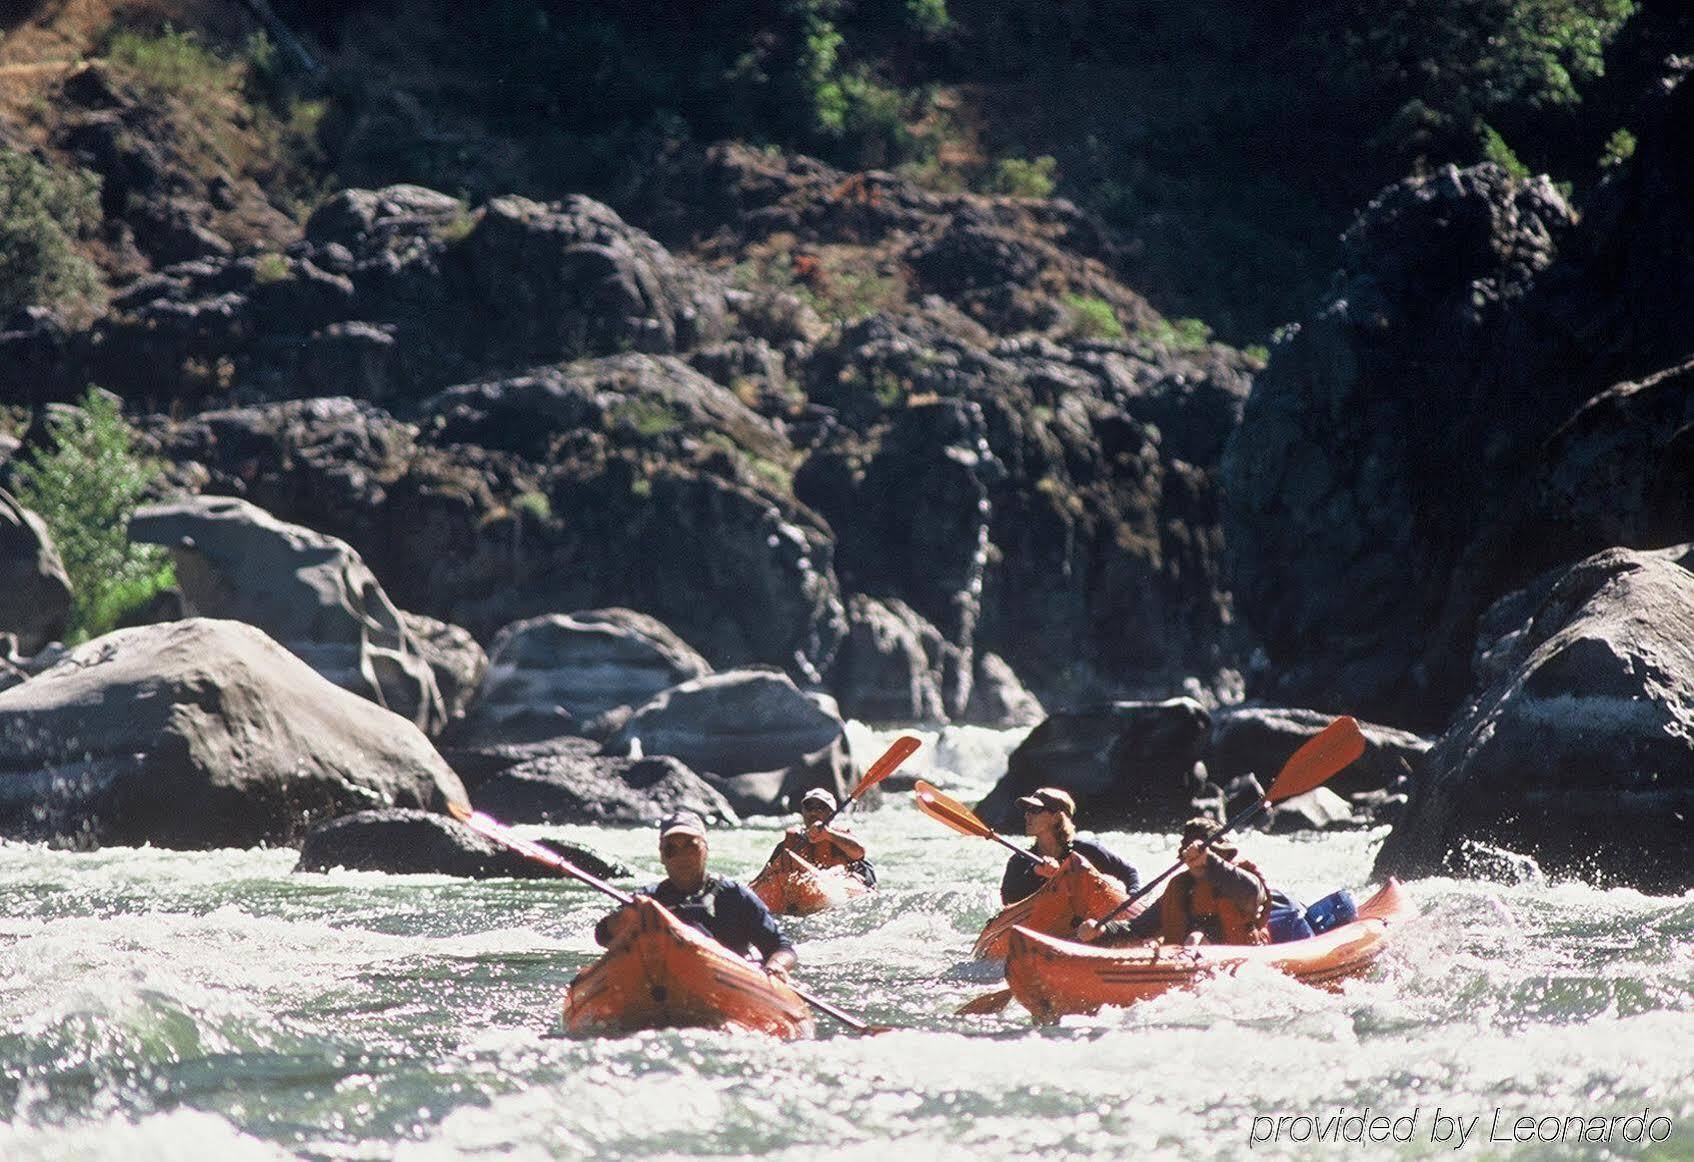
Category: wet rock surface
<point>198,734</point>
<point>1577,753</point>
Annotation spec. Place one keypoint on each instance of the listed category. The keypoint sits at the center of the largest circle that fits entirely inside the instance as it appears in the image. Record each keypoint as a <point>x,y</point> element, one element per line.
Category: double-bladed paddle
<point>962,819</point>
<point>493,829</point>
<point>1319,759</point>
<point>898,752</point>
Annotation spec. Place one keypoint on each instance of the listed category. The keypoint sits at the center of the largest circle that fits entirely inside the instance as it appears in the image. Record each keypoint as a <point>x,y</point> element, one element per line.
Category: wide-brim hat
<point>1049,799</point>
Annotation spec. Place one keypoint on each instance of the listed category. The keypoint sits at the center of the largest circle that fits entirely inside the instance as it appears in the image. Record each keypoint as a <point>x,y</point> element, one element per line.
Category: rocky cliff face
<point>1416,450</point>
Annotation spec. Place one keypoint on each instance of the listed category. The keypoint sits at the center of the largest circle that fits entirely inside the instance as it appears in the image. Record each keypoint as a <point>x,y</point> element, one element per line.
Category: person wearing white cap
<point>822,845</point>
<point>1049,816</point>
<point>721,908</point>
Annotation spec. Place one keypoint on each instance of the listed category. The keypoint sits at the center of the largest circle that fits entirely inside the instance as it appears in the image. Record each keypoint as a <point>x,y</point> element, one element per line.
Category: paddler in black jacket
<point>719,907</point>
<point>1049,815</point>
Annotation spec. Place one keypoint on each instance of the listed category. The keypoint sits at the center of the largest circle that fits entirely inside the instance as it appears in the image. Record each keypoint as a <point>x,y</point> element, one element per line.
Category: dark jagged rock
<point>1260,739</point>
<point>744,574</point>
<point>1006,261</point>
<point>200,734</point>
<point>573,278</point>
<point>1130,764</point>
<point>1101,566</point>
<point>883,672</point>
<point>1580,752</point>
<point>411,842</point>
<point>477,763</point>
<point>1394,475</point>
<point>998,698</point>
<point>1368,451</point>
<point>652,399</point>
<point>578,788</point>
<point>553,675</point>
<point>35,591</point>
<point>398,293</point>
<point>764,739</point>
<point>35,358</point>
<point>313,593</point>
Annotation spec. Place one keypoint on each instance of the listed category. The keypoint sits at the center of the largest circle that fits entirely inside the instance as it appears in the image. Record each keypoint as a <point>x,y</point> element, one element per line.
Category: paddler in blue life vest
<point>1218,898</point>
<point>721,908</point>
<point>822,845</point>
<point>1049,816</point>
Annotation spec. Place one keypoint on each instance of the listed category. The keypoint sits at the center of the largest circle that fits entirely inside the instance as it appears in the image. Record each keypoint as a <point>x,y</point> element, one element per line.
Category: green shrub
<point>43,209</point>
<point>648,417</point>
<point>1181,335</point>
<point>1022,178</point>
<point>534,505</point>
<point>1620,147</point>
<point>1495,149</point>
<point>1095,318</point>
<point>270,268</point>
<point>86,489</point>
<point>171,61</point>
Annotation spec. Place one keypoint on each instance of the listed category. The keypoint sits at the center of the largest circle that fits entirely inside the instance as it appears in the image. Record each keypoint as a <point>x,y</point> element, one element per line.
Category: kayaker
<point>822,845</point>
<point>719,907</point>
<point>1049,815</point>
<point>1218,898</point>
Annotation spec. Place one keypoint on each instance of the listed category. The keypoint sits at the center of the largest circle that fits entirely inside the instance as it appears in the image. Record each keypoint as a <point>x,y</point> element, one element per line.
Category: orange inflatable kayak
<point>791,886</point>
<point>1076,893</point>
<point>659,973</point>
<point>1052,977</point>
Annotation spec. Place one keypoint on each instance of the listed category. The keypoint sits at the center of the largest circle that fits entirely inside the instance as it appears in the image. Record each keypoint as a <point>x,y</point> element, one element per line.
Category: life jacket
<point>823,853</point>
<point>1190,899</point>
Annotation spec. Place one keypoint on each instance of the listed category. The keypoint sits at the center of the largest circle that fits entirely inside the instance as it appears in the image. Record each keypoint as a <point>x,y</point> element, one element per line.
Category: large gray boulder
<point>576,788</point>
<point>554,675</point>
<point>35,590</point>
<point>1128,764</point>
<point>1260,739</point>
<point>404,841</point>
<point>1580,752</point>
<point>765,740</point>
<point>198,734</point>
<point>311,592</point>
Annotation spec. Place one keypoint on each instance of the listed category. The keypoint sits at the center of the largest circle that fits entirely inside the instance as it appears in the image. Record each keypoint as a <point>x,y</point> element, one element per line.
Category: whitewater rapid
<point>213,1005</point>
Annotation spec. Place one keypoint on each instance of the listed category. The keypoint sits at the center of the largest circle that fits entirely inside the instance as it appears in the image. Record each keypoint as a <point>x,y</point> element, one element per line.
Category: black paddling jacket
<point>1020,878</point>
<point>723,910</point>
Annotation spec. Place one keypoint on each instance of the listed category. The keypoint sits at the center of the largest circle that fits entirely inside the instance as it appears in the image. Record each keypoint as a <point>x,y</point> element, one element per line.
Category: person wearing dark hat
<point>1218,897</point>
<point>721,908</point>
<point>1049,815</point>
<point>822,845</point>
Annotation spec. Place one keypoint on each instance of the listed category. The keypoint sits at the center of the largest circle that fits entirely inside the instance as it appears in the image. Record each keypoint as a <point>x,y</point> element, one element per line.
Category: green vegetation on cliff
<point>44,209</point>
<point>86,488</point>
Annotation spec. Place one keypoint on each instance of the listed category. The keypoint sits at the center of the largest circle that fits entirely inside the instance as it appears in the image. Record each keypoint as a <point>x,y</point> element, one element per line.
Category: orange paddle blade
<point>950,811</point>
<point>985,1003</point>
<point>898,752</point>
<point>1320,758</point>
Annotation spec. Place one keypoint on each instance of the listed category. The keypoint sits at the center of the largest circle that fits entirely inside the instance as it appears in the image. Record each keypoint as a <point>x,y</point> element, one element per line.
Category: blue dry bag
<point>1287,920</point>
<point>1332,911</point>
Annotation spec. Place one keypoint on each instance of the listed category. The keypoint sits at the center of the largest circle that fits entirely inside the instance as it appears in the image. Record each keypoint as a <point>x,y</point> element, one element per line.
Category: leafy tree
<point>86,488</point>
<point>1447,69</point>
<point>43,209</point>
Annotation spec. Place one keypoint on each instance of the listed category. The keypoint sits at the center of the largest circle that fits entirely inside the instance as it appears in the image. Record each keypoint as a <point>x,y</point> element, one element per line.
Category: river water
<point>169,1005</point>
